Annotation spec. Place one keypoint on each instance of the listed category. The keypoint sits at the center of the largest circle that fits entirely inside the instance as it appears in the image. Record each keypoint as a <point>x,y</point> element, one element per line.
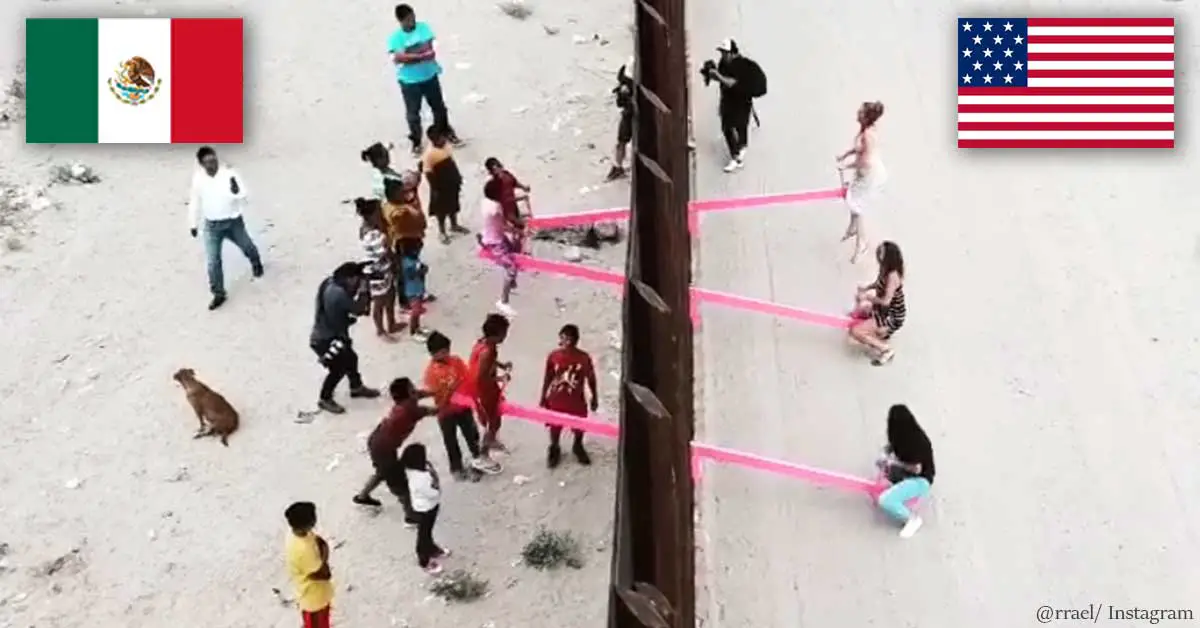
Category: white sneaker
<point>733,165</point>
<point>741,156</point>
<point>910,528</point>
<point>486,465</point>
<point>505,309</point>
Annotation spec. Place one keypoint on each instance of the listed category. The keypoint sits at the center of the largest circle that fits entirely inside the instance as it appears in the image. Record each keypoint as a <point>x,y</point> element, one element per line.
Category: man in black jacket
<point>741,81</point>
<point>341,299</point>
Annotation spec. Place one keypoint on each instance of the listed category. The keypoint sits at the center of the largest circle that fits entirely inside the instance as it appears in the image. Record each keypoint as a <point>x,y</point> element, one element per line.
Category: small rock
<point>614,339</point>
<point>73,483</point>
<point>551,30</point>
<point>335,463</point>
<point>579,39</point>
<point>562,484</point>
<point>520,110</point>
<point>573,254</point>
<point>152,535</point>
<point>521,480</point>
<point>181,475</point>
<point>516,9</point>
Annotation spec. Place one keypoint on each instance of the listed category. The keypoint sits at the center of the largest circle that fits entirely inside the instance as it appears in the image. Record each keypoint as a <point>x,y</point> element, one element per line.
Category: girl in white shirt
<point>424,490</point>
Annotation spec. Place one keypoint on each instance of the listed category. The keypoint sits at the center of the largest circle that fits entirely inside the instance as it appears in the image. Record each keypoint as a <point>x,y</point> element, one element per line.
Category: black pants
<point>388,471</point>
<point>431,92</point>
<point>339,358</point>
<point>427,549</point>
<point>556,434</point>
<point>451,426</point>
<point>735,125</point>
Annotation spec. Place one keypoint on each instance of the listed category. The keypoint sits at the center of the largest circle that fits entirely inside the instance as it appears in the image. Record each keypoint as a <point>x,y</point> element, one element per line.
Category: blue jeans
<point>893,500</point>
<point>216,232</point>
<point>431,92</point>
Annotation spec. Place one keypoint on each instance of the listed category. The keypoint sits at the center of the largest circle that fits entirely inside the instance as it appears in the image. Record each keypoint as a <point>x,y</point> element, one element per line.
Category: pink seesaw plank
<point>699,295</point>
<point>713,205</point>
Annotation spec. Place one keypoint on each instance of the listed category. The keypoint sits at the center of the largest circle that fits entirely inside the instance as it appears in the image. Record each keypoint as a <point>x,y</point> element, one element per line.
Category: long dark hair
<point>414,457</point>
<point>890,259</point>
<point>375,154</point>
<point>909,442</point>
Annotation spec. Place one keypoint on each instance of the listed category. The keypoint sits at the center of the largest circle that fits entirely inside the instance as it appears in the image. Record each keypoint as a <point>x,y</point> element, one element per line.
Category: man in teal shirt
<point>417,70</point>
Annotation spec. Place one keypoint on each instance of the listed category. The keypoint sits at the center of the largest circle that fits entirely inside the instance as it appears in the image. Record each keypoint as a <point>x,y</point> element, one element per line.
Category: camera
<point>707,70</point>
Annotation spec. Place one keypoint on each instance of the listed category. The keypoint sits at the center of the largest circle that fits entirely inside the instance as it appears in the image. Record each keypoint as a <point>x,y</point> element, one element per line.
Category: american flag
<point>1066,83</point>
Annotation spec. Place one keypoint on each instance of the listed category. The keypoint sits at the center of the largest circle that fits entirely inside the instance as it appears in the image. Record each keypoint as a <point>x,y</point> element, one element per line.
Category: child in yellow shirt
<point>308,565</point>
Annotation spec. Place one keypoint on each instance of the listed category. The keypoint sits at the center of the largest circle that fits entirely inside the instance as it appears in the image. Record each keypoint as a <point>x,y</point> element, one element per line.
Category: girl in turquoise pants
<point>909,465</point>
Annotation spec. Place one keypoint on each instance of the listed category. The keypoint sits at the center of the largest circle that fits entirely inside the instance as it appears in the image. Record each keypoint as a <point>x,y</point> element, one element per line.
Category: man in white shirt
<point>217,198</point>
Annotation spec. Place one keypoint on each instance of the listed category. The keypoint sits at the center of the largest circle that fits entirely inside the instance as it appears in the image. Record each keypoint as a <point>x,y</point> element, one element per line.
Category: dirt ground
<point>105,297</point>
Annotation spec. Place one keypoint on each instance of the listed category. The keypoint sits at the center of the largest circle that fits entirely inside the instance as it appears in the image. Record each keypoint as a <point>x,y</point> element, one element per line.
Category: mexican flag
<point>133,81</point>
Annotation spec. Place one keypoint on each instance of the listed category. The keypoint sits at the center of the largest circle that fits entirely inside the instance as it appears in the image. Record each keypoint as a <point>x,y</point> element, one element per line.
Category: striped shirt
<point>895,310</point>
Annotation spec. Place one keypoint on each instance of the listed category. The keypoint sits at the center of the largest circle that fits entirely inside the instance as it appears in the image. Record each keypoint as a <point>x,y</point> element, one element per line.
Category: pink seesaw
<point>702,452</point>
<point>697,207</point>
<point>699,295</point>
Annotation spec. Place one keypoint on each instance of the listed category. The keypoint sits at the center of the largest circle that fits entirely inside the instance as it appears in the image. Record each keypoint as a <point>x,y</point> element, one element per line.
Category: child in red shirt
<point>445,376</point>
<point>567,369</point>
<point>484,374</point>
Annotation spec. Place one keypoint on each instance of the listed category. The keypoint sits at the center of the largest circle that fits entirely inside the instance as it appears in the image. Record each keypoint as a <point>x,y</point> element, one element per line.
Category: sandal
<point>883,358</point>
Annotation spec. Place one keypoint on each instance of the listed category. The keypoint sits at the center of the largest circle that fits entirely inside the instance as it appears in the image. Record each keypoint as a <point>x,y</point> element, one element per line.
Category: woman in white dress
<point>869,174</point>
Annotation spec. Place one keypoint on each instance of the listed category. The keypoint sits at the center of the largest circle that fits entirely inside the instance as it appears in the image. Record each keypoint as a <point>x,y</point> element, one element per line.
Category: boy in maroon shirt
<point>386,440</point>
<point>567,369</point>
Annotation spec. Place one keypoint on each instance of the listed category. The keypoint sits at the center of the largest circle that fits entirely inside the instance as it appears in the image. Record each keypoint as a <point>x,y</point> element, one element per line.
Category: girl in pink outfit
<point>497,238</point>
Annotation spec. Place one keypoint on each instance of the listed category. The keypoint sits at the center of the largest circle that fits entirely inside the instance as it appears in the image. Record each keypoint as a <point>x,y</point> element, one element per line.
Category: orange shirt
<point>443,379</point>
<point>404,221</point>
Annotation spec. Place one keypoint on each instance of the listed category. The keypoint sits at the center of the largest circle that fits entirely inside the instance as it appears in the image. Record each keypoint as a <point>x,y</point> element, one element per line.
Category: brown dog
<point>216,416</point>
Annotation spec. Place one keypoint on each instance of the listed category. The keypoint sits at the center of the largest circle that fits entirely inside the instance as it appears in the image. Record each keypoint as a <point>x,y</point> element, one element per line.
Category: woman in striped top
<point>380,271</point>
<point>881,309</point>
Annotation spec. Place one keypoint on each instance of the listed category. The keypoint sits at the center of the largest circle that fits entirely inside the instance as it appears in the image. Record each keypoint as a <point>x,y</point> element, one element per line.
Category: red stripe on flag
<point>1106,22</point>
<point>1101,39</point>
<point>1066,126</point>
<point>1017,107</point>
<point>1066,143</point>
<point>206,71</point>
<point>1066,91</point>
<point>1101,56</point>
<point>1101,73</point>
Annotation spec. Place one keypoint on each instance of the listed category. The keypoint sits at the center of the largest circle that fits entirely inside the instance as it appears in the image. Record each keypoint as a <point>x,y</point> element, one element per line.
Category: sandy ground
<point>1050,350</point>
<point>108,298</point>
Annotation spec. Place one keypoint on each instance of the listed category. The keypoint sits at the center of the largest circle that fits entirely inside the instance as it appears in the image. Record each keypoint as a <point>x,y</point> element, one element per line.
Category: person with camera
<point>741,81</point>
<point>623,93</point>
<point>341,299</point>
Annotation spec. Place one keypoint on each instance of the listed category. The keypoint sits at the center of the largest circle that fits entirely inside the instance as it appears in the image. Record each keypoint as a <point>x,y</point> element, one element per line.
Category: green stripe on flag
<point>61,81</point>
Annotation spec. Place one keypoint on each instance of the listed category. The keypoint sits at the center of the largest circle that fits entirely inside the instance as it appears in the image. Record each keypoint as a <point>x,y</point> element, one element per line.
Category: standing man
<point>741,81</point>
<point>417,70</point>
<point>623,94</point>
<point>341,299</point>
<point>218,196</point>
<point>568,370</point>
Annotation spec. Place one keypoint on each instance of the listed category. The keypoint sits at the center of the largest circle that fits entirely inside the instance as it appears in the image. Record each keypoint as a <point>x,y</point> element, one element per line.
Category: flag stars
<point>966,52</point>
<point>1008,53</point>
<point>987,52</point>
<point>1008,27</point>
<point>998,66</point>
<point>1018,65</point>
<point>987,78</point>
<point>966,78</point>
<point>977,40</point>
<point>977,66</point>
<point>1018,40</point>
<point>966,27</point>
<point>998,39</point>
<point>987,26</point>
<point>1008,78</point>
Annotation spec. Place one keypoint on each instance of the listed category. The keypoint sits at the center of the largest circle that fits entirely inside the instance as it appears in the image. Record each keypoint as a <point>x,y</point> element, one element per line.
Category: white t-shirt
<point>424,495</point>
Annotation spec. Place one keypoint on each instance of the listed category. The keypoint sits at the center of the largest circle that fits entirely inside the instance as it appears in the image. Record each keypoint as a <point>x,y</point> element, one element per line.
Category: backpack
<point>758,85</point>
